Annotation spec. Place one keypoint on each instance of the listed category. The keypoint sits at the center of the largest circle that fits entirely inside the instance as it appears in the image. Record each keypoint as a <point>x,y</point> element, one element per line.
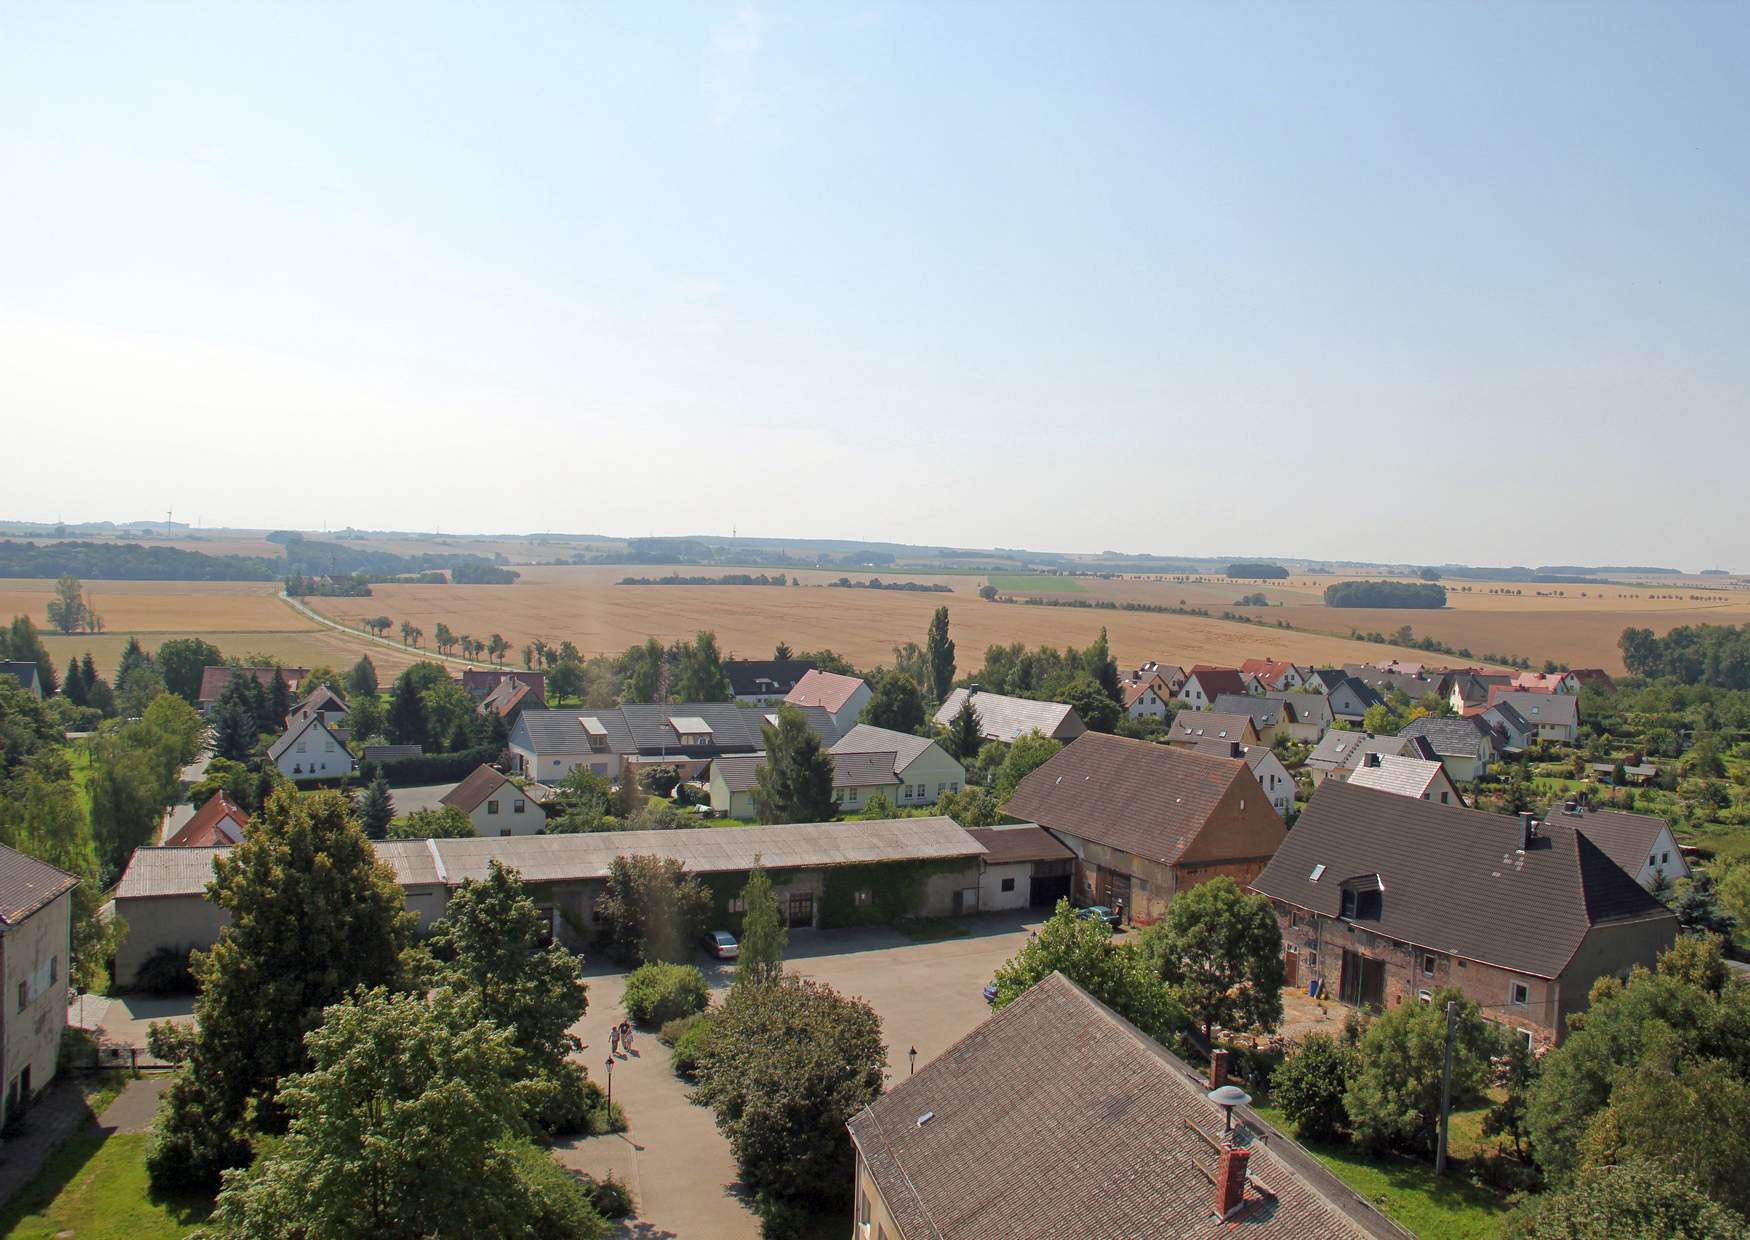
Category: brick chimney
<point>1230,1180</point>
<point>1370,759</point>
<point>1218,1068</point>
<point>1527,829</point>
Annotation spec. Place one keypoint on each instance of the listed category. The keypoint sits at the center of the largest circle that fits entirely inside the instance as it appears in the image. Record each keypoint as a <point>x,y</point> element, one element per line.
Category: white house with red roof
<point>841,697</point>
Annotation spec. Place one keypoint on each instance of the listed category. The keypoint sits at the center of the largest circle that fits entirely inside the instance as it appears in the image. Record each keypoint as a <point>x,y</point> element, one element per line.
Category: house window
<point>1519,995</point>
<point>517,806</point>
<point>865,1213</point>
<point>737,905</point>
<point>504,830</point>
<point>1361,905</point>
<point>1312,958</point>
<point>954,786</point>
<point>941,788</point>
<point>1427,966</point>
<point>1294,919</point>
<point>861,897</point>
<point>23,995</point>
<point>1524,1036</point>
<point>1446,798</point>
<point>1008,884</point>
<point>1665,858</point>
<point>300,745</point>
<point>851,795</point>
<point>492,807</point>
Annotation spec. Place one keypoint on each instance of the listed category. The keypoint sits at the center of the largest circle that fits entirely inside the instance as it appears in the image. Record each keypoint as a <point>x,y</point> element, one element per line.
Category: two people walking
<point>620,1036</point>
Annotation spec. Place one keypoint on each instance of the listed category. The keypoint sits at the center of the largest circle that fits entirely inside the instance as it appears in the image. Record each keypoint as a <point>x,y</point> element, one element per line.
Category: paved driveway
<point>680,1170</point>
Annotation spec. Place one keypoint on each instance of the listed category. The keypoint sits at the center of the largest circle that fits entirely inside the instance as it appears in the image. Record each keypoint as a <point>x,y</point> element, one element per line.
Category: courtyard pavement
<point>679,1168</point>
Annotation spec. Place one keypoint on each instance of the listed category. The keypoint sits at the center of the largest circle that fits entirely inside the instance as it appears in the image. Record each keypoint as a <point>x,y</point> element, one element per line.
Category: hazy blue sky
<point>1410,281</point>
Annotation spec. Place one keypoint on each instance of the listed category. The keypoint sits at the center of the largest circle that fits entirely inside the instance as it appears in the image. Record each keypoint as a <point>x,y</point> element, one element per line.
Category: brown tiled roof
<point>1217,680</point>
<point>27,885</point>
<point>1199,725</point>
<point>214,679</point>
<point>827,690</point>
<point>1147,799</point>
<point>1027,842</point>
<point>468,795</point>
<point>1056,1119</point>
<point>480,681</point>
<point>1454,879</point>
<point>215,823</point>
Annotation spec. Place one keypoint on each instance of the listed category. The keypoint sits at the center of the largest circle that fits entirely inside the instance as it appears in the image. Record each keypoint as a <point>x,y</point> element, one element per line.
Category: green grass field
<point>95,1188</point>
<point>1037,583</point>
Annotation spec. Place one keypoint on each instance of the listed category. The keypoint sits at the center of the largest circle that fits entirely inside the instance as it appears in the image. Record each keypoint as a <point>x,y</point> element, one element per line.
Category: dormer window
<point>1363,898</point>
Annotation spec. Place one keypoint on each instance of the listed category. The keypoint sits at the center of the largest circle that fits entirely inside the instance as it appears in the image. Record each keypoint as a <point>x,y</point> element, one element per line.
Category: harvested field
<point>293,647</point>
<point>584,606</point>
<point>163,606</point>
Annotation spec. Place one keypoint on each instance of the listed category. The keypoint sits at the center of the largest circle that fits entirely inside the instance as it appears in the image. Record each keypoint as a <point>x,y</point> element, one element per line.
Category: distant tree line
<point>875,583</point>
<point>1717,655</point>
<point>727,579</point>
<point>479,573</point>
<point>133,562</point>
<point>353,586</point>
<point>1417,594</point>
<point>1263,572</point>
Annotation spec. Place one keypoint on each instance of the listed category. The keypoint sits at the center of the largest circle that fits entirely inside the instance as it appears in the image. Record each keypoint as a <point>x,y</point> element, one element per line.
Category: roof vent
<point>925,1118</point>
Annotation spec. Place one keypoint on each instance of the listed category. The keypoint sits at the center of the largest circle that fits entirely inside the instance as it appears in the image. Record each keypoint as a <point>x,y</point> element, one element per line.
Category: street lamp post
<point>610,1080</point>
<point>913,1056</point>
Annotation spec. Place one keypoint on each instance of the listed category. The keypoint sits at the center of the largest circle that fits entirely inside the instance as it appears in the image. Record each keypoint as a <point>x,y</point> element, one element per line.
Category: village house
<point>323,703</point>
<point>1171,674</point>
<point>1274,675</point>
<point>1425,778</point>
<point>1057,1119</point>
<point>509,698</point>
<point>1641,844</point>
<point>1414,685</point>
<point>480,681</point>
<point>1466,744</point>
<point>1191,728</point>
<point>922,769</point>
<point>215,680</point>
<point>815,869</point>
<point>1556,716</point>
<point>1351,699</point>
<point>855,779</point>
<point>1204,684</point>
<point>1145,699</point>
<point>841,697</point>
<point>36,949</point>
<point>1469,690</point>
<point>1297,716</point>
<point>1387,899</point>
<point>1266,767</point>
<point>1340,752</point>
<point>1546,682</point>
<point>546,744</point>
<point>1147,821</point>
<point>1007,719</point>
<point>312,749</point>
<point>218,821</point>
<point>1512,730</point>
<point>1024,866</point>
<point>762,682</point>
<point>24,671</point>
<point>494,804</point>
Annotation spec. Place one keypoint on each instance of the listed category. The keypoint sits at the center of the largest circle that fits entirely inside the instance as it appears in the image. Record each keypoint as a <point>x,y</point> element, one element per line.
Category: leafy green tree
<point>877,808</point>
<point>133,656</point>
<point>565,681</point>
<point>644,671</point>
<point>763,933</point>
<point>1690,1121</point>
<point>794,783</point>
<point>401,1127</point>
<point>939,650</point>
<point>452,716</point>
<point>73,684</point>
<point>22,642</point>
<point>494,943</point>
<point>43,818</point>
<point>366,719</point>
<point>1309,1086</point>
<point>443,637</point>
<point>700,677</point>
<point>361,681</point>
<point>786,1067</point>
<point>1221,951</point>
<point>1101,667</point>
<point>444,823</point>
<point>279,698</point>
<point>1081,948</point>
<point>313,915</point>
<point>1507,1117</point>
<point>1394,1096</point>
<point>828,661</point>
<point>1733,892</point>
<point>1633,1201</point>
<point>134,777</point>
<point>895,703</point>
<point>234,730</point>
<point>68,610</point>
<point>964,736</point>
<point>1027,754</point>
<point>181,661</point>
<point>652,908</point>
<point>409,723</point>
<point>970,807</point>
<point>376,808</point>
<point>138,689</point>
<point>1097,709</point>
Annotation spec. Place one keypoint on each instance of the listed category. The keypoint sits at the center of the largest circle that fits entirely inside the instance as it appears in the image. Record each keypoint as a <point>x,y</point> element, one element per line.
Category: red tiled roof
<point>481,783</point>
<point>827,690</point>
<point>216,823</point>
<point>214,679</point>
<point>1217,680</point>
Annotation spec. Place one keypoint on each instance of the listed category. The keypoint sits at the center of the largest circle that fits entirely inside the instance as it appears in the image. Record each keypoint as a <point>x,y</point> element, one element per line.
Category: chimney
<point>1230,1180</point>
<point>1236,750</point>
<point>1218,1068</point>
<point>1370,759</point>
<point>1571,806</point>
<point>972,689</point>
<point>1527,829</point>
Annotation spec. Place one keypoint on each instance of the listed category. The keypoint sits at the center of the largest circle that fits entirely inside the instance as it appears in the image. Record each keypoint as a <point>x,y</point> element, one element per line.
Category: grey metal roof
<point>1005,718</point>
<point>27,885</point>
<point>573,858</point>
<point>655,730</point>
<point>1454,878</point>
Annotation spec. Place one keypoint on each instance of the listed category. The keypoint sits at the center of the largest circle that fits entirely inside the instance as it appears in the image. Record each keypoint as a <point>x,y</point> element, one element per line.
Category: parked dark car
<point>1099,912</point>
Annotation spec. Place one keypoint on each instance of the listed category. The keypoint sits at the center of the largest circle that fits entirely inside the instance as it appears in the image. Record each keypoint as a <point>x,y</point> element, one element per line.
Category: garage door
<point>1044,891</point>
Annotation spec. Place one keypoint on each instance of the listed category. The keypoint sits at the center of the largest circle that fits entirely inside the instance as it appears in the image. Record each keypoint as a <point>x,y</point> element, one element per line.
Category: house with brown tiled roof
<point>1267,769</point>
<point>1172,674</point>
<point>1204,684</point>
<point>480,681</point>
<point>218,822</point>
<point>510,697</point>
<point>321,701</point>
<point>1145,699</point>
<point>1147,821</point>
<point>215,679</point>
<point>1388,899</point>
<point>1640,843</point>
<point>494,804</point>
<point>1024,866</point>
<point>1192,727</point>
<point>1275,675</point>
<point>1057,1119</point>
<point>841,697</point>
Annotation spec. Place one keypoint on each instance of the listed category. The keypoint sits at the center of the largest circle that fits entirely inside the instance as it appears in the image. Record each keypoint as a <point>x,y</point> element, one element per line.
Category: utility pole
<point>1446,1085</point>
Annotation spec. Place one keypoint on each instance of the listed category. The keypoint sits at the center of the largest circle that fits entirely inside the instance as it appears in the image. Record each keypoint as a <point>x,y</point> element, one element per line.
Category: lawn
<point>1037,583</point>
<point>1405,1188</point>
<point>95,1188</point>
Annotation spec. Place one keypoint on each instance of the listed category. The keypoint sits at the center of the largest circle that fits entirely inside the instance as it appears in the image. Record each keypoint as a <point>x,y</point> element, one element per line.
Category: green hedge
<point>658,993</point>
<point>438,768</point>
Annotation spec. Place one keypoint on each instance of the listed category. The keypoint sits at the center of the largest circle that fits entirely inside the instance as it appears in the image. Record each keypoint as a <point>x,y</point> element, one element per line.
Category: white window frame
<point>1514,990</point>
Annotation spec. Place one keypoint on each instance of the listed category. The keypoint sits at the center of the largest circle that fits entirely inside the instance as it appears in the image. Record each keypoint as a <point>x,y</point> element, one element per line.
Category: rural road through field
<point>361,635</point>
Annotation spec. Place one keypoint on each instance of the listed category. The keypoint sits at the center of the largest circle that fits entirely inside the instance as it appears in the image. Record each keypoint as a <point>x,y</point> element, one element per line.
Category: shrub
<point>658,993</point>
<point>659,779</point>
<point>563,1204</point>
<point>1310,1084</point>
<point>691,1045</point>
<point>167,971</point>
<point>610,1196</point>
